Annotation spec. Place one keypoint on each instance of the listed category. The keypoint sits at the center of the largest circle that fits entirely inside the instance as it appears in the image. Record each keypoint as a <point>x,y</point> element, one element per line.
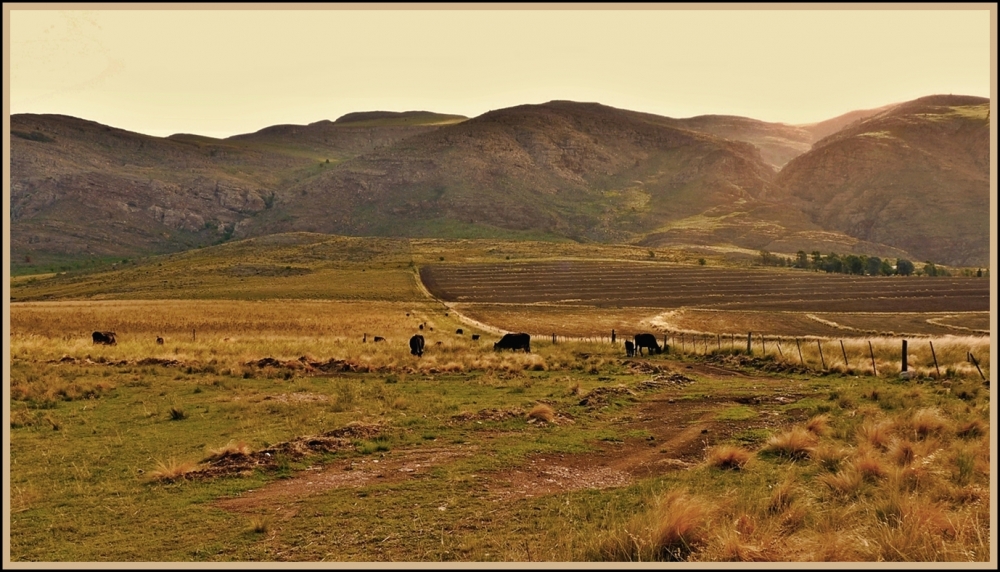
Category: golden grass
<point>171,470</point>
<point>728,457</point>
<point>876,432</point>
<point>542,412</point>
<point>928,421</point>
<point>829,456</point>
<point>679,525</point>
<point>819,425</point>
<point>231,449</point>
<point>795,443</point>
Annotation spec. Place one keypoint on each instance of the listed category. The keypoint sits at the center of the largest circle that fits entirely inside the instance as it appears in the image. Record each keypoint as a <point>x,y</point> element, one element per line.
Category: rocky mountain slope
<point>908,180</point>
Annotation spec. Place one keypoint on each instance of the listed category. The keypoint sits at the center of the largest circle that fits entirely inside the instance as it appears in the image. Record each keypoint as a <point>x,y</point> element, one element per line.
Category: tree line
<point>861,265</point>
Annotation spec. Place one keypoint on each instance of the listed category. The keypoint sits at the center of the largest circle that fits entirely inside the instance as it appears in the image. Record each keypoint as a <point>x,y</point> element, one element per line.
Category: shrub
<point>928,421</point>
<point>679,526</point>
<point>542,412</point>
<point>171,470</point>
<point>792,444</point>
<point>819,425</point>
<point>728,457</point>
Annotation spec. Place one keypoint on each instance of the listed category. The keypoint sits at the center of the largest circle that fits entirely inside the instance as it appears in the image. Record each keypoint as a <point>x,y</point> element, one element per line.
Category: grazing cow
<point>379,339</point>
<point>159,340</point>
<point>106,338</point>
<point>417,345</point>
<point>475,337</point>
<point>647,341</point>
<point>459,331</point>
<point>437,343</point>
<point>514,342</point>
<point>421,326</point>
<point>629,348</point>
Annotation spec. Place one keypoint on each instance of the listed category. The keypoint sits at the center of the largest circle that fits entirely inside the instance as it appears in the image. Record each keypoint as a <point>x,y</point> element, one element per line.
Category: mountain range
<point>904,180</point>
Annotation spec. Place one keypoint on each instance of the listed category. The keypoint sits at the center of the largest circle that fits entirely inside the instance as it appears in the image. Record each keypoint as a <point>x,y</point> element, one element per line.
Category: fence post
<point>749,341</point>
<point>798,347</point>
<point>872,352</point>
<point>718,340</point>
<point>976,363</point>
<point>682,343</point>
<point>553,338</point>
<point>612,336</point>
<point>904,355</point>
<point>846,365</point>
<point>780,353</point>
<point>664,342</point>
<point>934,355</point>
<point>192,335</point>
<point>821,358</point>
<point>763,347</point>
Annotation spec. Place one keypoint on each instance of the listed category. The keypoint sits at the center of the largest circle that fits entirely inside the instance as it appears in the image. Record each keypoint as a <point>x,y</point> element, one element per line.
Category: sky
<point>223,72</point>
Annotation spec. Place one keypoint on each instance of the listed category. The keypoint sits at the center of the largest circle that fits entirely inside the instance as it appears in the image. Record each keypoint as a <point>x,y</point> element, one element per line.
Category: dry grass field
<point>270,426</point>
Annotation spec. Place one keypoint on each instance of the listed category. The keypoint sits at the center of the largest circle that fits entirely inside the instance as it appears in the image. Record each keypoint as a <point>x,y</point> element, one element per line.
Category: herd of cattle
<point>513,342</point>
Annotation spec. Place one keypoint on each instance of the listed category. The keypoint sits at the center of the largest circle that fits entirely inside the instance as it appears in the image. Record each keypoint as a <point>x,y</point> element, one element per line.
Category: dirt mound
<point>307,365</point>
<point>235,462</point>
<point>662,380</point>
<point>601,395</point>
<point>757,363</point>
<point>488,415</point>
<point>644,367</point>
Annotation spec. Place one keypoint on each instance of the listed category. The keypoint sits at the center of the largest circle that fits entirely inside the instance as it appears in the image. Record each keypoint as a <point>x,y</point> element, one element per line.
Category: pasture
<point>272,428</point>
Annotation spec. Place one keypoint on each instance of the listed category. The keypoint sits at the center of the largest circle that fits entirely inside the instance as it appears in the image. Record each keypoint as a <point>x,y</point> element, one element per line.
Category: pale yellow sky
<point>224,72</point>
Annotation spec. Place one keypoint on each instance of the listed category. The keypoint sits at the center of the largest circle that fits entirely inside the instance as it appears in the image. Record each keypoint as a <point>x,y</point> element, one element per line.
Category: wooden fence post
<point>749,341</point>
<point>763,347</point>
<point>934,355</point>
<point>904,356</point>
<point>553,338</point>
<point>798,347</point>
<point>192,335</point>
<point>976,363</point>
<point>718,340</point>
<point>846,364</point>
<point>780,353</point>
<point>821,358</point>
<point>872,352</point>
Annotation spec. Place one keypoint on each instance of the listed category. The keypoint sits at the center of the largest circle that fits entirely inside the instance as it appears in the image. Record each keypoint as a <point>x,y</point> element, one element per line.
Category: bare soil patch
<point>675,431</point>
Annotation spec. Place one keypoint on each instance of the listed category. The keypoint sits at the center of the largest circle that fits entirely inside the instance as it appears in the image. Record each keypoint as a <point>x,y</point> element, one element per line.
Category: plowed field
<point>629,284</point>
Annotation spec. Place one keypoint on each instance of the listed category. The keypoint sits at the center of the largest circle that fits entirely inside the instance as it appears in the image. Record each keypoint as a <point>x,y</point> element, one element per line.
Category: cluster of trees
<point>852,264</point>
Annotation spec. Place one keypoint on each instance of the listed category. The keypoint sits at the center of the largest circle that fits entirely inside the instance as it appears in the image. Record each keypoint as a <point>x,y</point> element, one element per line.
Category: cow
<point>459,331</point>
<point>421,326</point>
<point>159,340</point>
<point>475,337</point>
<point>647,341</point>
<point>629,349</point>
<point>379,339</point>
<point>514,342</point>
<point>417,345</point>
<point>106,338</point>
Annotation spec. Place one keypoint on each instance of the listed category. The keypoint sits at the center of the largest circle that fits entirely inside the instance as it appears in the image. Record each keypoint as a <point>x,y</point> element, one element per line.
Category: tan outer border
<point>992,7</point>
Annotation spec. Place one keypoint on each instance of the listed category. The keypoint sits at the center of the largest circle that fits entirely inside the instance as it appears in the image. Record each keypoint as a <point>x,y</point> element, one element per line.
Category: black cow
<point>475,337</point>
<point>106,338</point>
<point>647,341</point>
<point>379,339</point>
<point>159,340</point>
<point>417,345</point>
<point>459,331</point>
<point>514,342</point>
<point>629,348</point>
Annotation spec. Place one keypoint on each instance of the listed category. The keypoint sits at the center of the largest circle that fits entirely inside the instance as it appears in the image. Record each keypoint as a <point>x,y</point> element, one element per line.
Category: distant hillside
<point>910,180</point>
<point>578,170</point>
<point>831,126</point>
<point>80,189</point>
<point>915,177</point>
<point>778,143</point>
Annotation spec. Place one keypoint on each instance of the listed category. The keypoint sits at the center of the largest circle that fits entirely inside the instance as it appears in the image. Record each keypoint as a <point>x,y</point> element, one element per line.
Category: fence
<point>886,356</point>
